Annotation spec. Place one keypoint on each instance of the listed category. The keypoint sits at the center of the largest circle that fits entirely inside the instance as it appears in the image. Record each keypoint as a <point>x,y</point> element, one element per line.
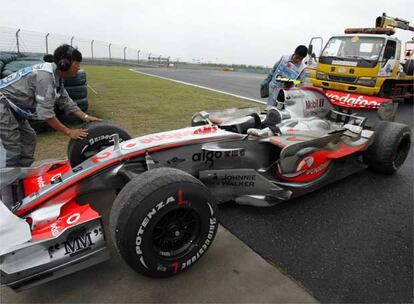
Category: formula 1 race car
<point>168,185</point>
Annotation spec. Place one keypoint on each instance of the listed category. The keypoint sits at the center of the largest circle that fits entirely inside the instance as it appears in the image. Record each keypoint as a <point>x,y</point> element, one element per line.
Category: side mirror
<point>310,49</point>
<point>201,118</point>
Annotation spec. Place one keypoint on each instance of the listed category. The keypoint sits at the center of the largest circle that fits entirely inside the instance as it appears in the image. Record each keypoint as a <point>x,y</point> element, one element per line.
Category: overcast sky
<point>226,31</point>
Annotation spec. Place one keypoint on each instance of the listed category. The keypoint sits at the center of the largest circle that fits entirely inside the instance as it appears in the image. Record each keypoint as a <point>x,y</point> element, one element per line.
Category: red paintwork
<point>354,101</point>
<point>71,214</point>
<point>319,163</point>
<point>345,150</point>
<point>294,138</point>
<point>33,184</point>
<point>100,156</point>
<point>348,100</point>
<point>101,165</point>
<point>206,130</point>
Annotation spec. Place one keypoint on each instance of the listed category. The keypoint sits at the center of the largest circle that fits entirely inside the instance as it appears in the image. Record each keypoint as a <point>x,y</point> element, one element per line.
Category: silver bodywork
<point>219,152</point>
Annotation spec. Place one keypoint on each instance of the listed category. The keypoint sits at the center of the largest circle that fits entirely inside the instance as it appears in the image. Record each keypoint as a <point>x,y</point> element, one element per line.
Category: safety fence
<point>24,41</point>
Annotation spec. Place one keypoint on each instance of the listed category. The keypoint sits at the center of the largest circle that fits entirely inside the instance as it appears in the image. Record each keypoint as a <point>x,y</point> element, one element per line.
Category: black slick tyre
<point>99,137</point>
<point>163,222</point>
<point>77,80</point>
<point>77,92</point>
<point>82,104</point>
<point>390,148</point>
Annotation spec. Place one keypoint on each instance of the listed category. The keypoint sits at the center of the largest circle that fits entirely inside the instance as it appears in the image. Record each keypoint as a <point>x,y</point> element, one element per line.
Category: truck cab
<point>368,61</point>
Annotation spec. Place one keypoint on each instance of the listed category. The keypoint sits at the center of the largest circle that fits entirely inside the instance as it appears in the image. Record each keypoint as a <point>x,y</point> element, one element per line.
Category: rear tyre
<point>99,137</point>
<point>163,221</point>
<point>390,147</point>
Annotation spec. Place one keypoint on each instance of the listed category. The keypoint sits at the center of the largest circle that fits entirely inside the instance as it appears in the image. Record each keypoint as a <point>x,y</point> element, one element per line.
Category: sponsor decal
<point>235,180</point>
<point>204,247</point>
<point>94,140</point>
<point>129,146</point>
<point>354,100</point>
<point>308,161</point>
<point>54,229</point>
<point>308,168</point>
<point>40,182</point>
<point>208,157</point>
<point>314,104</point>
<point>100,156</point>
<point>78,244</point>
<point>305,167</point>
<point>178,134</point>
<point>73,218</point>
<point>206,130</point>
<point>55,178</point>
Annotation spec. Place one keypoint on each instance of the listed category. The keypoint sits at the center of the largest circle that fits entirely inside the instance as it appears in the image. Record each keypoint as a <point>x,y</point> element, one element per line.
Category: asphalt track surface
<point>351,241</point>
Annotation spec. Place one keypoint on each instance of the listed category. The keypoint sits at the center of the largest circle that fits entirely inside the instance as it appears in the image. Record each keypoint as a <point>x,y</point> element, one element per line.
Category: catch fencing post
<point>138,56</point>
<point>47,46</point>
<point>92,48</point>
<point>110,51</point>
<point>71,41</point>
<point>17,41</point>
<point>125,54</point>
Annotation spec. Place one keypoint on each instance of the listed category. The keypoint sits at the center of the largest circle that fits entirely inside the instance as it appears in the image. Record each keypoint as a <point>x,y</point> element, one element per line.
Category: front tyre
<point>163,221</point>
<point>390,148</point>
<point>99,137</point>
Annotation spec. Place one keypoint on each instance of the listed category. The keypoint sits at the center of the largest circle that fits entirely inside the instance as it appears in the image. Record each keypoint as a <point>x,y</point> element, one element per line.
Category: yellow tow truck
<point>367,61</point>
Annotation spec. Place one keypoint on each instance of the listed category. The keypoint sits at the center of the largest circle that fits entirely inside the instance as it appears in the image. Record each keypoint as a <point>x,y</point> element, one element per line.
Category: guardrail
<point>24,41</point>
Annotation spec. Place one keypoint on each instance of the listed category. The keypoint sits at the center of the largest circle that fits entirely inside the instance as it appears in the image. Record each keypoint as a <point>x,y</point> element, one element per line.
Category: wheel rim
<point>176,233</point>
<point>402,152</point>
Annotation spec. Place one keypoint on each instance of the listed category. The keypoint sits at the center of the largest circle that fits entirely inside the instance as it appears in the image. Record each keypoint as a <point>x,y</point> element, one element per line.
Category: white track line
<point>198,86</point>
<point>90,87</point>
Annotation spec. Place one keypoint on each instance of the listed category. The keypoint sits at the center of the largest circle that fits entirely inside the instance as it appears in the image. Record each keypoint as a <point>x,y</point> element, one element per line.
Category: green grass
<point>140,104</point>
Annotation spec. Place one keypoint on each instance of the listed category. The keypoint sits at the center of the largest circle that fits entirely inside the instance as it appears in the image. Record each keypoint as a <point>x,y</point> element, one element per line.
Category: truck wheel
<point>163,221</point>
<point>99,137</point>
<point>390,148</point>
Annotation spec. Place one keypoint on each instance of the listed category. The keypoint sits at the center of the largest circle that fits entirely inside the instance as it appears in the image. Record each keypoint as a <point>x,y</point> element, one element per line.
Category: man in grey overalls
<point>290,66</point>
<point>33,92</point>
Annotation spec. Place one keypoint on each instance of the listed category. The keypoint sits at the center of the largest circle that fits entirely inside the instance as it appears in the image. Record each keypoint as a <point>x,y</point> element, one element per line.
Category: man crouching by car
<point>33,92</point>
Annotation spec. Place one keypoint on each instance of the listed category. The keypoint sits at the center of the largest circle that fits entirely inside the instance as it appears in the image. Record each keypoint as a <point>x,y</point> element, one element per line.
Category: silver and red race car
<point>168,185</point>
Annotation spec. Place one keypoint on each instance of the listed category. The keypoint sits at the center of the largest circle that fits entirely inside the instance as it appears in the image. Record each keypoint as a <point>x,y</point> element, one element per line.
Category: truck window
<point>354,47</point>
<point>389,51</point>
